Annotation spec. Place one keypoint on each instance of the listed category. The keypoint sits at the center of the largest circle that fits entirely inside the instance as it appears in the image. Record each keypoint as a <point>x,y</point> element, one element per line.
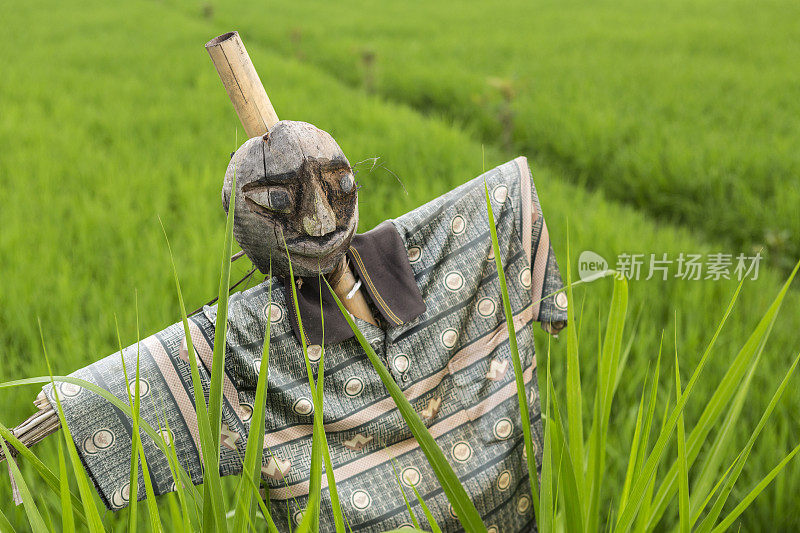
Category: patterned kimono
<point>431,278</point>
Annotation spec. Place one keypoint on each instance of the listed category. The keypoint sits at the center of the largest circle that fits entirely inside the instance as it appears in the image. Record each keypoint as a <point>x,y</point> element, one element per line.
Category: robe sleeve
<point>550,305</point>
<point>102,433</point>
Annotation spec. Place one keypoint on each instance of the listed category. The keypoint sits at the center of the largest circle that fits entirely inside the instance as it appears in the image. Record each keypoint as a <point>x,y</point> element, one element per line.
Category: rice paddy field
<point>650,128</point>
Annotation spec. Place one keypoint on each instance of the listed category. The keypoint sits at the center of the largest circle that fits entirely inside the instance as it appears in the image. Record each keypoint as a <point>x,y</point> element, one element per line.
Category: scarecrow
<point>423,289</point>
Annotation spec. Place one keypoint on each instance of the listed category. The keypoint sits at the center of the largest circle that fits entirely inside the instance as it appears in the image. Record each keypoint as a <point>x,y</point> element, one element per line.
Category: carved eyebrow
<point>337,163</point>
<point>276,179</point>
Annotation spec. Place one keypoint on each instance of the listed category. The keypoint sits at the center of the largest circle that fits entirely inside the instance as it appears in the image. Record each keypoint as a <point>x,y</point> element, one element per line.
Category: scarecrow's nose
<point>320,218</point>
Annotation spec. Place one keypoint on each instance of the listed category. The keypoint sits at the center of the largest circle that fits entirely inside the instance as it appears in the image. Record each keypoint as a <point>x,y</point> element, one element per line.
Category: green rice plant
<point>57,484</point>
<point>212,487</point>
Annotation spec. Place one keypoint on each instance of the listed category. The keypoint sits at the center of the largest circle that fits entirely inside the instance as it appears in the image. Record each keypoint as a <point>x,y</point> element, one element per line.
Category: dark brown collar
<point>380,260</point>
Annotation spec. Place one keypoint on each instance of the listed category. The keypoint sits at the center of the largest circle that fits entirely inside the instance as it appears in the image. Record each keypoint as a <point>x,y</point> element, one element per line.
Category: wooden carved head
<point>295,190</point>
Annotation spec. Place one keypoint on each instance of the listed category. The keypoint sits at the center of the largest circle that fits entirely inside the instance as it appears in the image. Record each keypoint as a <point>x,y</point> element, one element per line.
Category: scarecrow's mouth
<point>309,246</point>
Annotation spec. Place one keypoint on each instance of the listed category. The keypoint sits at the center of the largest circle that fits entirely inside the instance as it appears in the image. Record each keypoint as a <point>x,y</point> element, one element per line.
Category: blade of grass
<point>212,487</point>
<point>546,505</point>
<point>133,487</point>
<point>635,447</point>
<point>716,510</point>
<point>338,517</point>
<point>5,525</point>
<point>464,508</point>
<point>728,386</point>
<point>753,494</point>
<point>751,346</point>
<point>92,387</point>
<point>413,516</point>
<point>44,472</point>
<point>522,397</point>
<point>716,453</point>
<point>608,367</point>
<point>574,394</point>
<point>568,472</point>
<point>428,515</point>
<point>641,519</point>
<point>683,468</point>
<point>137,452</point>
<point>35,519</point>
<point>265,512</point>
<point>172,460</point>
<point>93,520</point>
<point>310,521</point>
<point>67,516</point>
<point>255,439</point>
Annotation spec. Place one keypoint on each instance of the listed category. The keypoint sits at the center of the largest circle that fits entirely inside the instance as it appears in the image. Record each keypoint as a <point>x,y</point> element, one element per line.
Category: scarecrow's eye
<point>272,198</point>
<point>347,182</point>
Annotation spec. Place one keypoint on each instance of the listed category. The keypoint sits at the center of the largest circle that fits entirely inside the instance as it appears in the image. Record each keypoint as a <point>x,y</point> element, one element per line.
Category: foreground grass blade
<point>67,516</point>
<point>213,500</point>
<point>110,398</point>
<point>644,440</point>
<point>568,471</point>
<point>338,516</point>
<point>745,453</point>
<point>221,326</point>
<point>608,366</point>
<point>647,499</point>
<point>428,515</point>
<point>5,525</point>
<point>413,516</point>
<point>683,468</point>
<point>522,398</point>
<point>574,395</point>
<point>753,494</point>
<point>214,489</point>
<point>635,446</point>
<point>174,466</point>
<point>310,521</point>
<point>137,451</point>
<point>52,481</point>
<point>543,504</point>
<point>133,487</point>
<point>35,519</point>
<point>93,520</point>
<point>708,475</point>
<point>255,439</point>
<point>716,406</point>
<point>465,510</point>
<point>759,335</point>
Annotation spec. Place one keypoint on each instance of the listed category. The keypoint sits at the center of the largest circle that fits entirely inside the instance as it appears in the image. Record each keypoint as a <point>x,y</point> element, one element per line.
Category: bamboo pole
<point>241,80</point>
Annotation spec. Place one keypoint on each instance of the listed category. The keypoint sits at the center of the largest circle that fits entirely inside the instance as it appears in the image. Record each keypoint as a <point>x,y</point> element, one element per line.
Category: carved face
<point>293,185</point>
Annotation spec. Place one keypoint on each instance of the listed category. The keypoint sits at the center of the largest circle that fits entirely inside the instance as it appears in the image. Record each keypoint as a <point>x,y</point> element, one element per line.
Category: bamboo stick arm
<point>37,426</point>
